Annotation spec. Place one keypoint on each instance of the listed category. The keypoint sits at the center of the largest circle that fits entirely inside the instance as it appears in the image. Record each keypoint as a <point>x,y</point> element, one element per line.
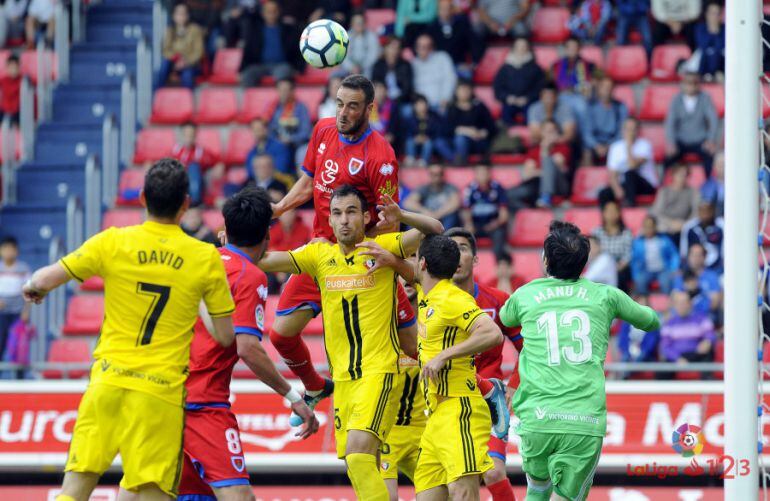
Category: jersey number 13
<point>579,324</point>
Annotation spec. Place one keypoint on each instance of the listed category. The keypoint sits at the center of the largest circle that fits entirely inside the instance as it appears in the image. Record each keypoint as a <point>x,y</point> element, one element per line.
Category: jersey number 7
<point>159,295</point>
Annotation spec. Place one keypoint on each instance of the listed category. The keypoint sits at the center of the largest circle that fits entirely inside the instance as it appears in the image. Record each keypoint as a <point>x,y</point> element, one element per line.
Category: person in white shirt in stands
<point>631,165</point>
<point>434,73</point>
<point>601,267</point>
<point>13,274</point>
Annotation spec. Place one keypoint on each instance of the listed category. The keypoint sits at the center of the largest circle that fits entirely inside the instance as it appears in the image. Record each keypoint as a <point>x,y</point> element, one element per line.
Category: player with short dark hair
<point>214,464</point>
<point>565,322</point>
<point>155,277</point>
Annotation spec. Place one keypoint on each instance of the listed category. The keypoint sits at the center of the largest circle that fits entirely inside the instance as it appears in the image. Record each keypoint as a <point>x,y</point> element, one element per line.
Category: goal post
<point>742,163</point>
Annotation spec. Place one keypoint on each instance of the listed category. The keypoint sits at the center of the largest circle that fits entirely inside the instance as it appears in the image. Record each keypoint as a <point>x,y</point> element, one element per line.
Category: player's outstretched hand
<point>309,421</point>
<point>382,257</point>
<point>32,295</point>
<point>388,211</point>
<point>222,236</point>
<point>433,367</point>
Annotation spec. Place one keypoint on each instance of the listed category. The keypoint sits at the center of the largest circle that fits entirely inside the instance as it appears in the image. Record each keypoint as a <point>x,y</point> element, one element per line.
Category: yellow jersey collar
<point>161,228</point>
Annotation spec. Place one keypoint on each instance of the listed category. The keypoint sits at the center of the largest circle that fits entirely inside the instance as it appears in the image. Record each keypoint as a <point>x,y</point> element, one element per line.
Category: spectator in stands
<point>413,18</point>
<point>616,240</point>
<point>674,19</point>
<point>434,73</point>
<point>691,124</point>
<point>687,335</point>
<point>485,211</point>
<point>328,107</point>
<point>290,233</point>
<point>290,123</point>
<point>502,18</point>
<point>635,345</point>
<point>452,33</point>
<point>395,71</point>
<point>384,115</point>
<point>439,199</point>
<point>633,14</point>
<point>202,166</point>
<point>702,284</point>
<point>601,266</point>
<point>549,107</point>
<point>676,203</point>
<point>506,279</point>
<point>654,258</point>
<point>208,15</point>
<point>364,48</point>
<point>40,17</point>
<point>270,47</point>
<point>710,42</point>
<point>632,167</point>
<point>262,174</point>
<point>421,130</point>
<point>469,127</point>
<point>602,123</point>
<point>12,22</point>
<point>13,274</point>
<point>238,20</point>
<point>546,171</point>
<point>266,145</point>
<point>590,20</point>
<point>193,225</point>
<point>518,82</point>
<point>571,72</point>
<point>706,230</point>
<point>182,49</point>
<point>337,10</point>
<point>10,85</point>
<point>714,187</point>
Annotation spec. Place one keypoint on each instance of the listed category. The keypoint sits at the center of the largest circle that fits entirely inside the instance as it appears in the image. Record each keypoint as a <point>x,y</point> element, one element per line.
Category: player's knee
<point>392,485</point>
<point>465,488</point>
<point>494,475</point>
<point>362,442</point>
<point>292,324</point>
<point>235,493</point>
<point>557,497</point>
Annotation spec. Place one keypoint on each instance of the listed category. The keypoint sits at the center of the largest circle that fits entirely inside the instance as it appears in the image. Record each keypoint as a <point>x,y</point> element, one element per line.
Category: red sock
<point>502,491</point>
<point>294,352</point>
<point>484,385</point>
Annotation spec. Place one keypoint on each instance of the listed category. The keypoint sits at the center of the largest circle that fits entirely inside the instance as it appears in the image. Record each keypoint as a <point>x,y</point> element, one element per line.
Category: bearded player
<point>342,150</point>
<point>214,464</point>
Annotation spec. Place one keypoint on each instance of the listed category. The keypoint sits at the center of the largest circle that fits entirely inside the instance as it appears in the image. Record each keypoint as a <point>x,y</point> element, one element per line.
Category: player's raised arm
<point>43,281</point>
<point>390,213</point>
<point>641,317</point>
<point>301,192</point>
<point>277,262</point>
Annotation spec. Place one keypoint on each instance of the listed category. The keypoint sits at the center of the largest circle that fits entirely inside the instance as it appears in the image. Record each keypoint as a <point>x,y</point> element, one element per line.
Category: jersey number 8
<point>578,321</point>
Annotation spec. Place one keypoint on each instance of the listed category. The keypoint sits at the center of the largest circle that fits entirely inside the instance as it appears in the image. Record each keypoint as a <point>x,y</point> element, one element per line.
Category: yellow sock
<point>365,477</point>
<point>64,497</point>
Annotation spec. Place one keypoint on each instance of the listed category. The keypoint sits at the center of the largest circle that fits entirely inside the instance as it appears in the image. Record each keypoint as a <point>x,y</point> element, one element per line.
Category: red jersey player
<point>214,462</point>
<point>342,150</point>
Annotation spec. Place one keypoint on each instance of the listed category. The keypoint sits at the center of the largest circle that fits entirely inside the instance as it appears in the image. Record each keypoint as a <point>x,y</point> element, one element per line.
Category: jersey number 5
<point>159,295</point>
<point>578,321</point>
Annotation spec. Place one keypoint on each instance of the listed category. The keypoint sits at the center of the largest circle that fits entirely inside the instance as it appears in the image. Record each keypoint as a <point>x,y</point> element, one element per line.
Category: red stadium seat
<point>216,106</point>
<point>659,302</point>
<point>4,54</point>
<point>85,314</point>
<point>585,219</point>
<point>587,184</point>
<point>627,63</point>
<point>213,219</point>
<point>211,139</point>
<point>529,265</point>
<point>307,217</point>
<point>237,176</point>
<point>593,54</point>
<point>695,179</point>
<point>656,134</point>
<point>240,142</point>
<point>633,218</point>
<point>310,97</point>
<point>460,177</point>
<point>227,63</point>
<point>130,180</point>
<point>172,106</point>
<point>414,177</point>
<point>625,94</point>
<point>522,132</point>
<point>506,176</point>
<point>377,18</point>
<point>120,218</point>
<point>549,25</point>
<point>487,96</point>
<point>153,144</point>
<point>93,284</point>
<point>68,351</point>
<point>28,64</point>
<point>717,93</point>
<point>546,56</point>
<point>656,101</point>
<point>486,269</point>
<point>494,58</point>
<point>665,59</point>
<point>258,103</point>
<point>314,76</point>
<point>530,227</point>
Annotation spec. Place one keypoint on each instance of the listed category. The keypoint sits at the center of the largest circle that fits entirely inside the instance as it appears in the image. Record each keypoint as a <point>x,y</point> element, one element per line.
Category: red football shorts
<point>212,450</point>
<point>497,448</point>
<point>301,291</point>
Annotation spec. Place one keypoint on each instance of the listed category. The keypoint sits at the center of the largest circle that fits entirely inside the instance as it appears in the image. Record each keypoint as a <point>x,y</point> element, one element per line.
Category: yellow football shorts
<point>454,443</point>
<point>400,451</point>
<point>367,404</point>
<point>147,432</point>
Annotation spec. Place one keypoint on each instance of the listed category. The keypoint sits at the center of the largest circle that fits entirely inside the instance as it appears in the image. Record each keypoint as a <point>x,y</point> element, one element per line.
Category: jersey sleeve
<point>382,173</point>
<point>391,242</point>
<point>641,317</point>
<point>90,258</point>
<point>466,312</point>
<point>308,164</point>
<point>249,315</point>
<point>305,258</point>
<point>509,313</point>
<point>216,292</point>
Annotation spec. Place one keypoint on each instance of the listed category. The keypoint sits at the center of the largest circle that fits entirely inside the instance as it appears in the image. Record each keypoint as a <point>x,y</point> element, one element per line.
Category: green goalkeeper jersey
<point>566,330</point>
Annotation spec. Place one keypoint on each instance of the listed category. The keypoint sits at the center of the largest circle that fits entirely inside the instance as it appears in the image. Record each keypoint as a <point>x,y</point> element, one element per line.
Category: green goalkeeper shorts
<point>569,461</point>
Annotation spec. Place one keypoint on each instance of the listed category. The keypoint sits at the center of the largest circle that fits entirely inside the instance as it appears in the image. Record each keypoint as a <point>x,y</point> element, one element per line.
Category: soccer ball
<point>324,43</point>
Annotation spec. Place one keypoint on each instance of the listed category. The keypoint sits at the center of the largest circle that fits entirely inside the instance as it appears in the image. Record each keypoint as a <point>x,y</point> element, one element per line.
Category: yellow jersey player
<point>155,277</point>
<point>451,330</point>
<point>359,301</point>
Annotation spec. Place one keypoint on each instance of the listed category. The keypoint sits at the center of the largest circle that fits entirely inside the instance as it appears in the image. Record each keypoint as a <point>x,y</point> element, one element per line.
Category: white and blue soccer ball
<point>324,43</point>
